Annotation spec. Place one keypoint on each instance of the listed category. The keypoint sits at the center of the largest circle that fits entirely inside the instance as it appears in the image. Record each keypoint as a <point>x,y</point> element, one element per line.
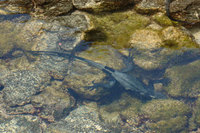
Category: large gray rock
<point>20,85</point>
<point>82,119</point>
<point>18,124</point>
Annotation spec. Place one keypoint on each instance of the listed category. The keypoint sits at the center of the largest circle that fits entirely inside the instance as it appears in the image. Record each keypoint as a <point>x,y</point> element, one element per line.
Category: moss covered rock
<point>166,115</point>
<point>175,37</point>
<point>184,80</point>
<point>123,113</point>
<point>126,106</point>
<point>170,126</point>
<point>115,28</point>
<point>157,48</point>
<point>162,19</point>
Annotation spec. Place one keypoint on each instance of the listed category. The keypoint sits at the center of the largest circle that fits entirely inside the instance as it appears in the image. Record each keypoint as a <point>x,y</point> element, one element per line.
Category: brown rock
<point>101,5</point>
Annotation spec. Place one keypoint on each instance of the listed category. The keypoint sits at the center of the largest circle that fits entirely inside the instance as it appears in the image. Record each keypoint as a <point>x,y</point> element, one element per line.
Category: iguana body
<point>128,82</point>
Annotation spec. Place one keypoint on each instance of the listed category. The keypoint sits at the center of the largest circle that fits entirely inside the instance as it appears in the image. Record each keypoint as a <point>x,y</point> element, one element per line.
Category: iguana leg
<point>129,62</point>
<point>110,83</point>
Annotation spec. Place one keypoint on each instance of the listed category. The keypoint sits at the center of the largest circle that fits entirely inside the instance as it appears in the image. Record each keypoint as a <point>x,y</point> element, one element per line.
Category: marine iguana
<point>128,82</point>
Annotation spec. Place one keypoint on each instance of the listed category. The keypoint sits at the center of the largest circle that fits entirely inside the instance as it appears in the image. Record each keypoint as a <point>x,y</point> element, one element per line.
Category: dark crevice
<point>1,87</point>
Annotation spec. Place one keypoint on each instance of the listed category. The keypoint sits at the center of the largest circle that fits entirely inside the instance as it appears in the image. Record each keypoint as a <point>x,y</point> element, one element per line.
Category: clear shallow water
<point>173,73</point>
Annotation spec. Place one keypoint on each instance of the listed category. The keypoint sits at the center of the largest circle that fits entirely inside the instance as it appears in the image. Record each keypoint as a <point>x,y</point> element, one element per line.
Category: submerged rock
<point>82,119</point>
<point>115,29</point>
<point>13,35</point>
<point>184,81</point>
<point>20,85</point>
<point>45,35</point>
<point>53,104</point>
<point>21,124</point>
<point>195,119</point>
<point>25,78</point>
<point>123,113</point>
<point>159,48</point>
<point>165,114</point>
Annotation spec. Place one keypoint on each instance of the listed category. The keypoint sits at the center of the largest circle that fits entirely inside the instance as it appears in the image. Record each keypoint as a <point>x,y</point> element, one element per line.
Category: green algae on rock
<point>164,114</point>
<point>162,19</point>
<point>156,48</point>
<point>115,28</point>
<point>184,81</point>
<point>123,112</point>
<point>173,125</point>
<point>178,37</point>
